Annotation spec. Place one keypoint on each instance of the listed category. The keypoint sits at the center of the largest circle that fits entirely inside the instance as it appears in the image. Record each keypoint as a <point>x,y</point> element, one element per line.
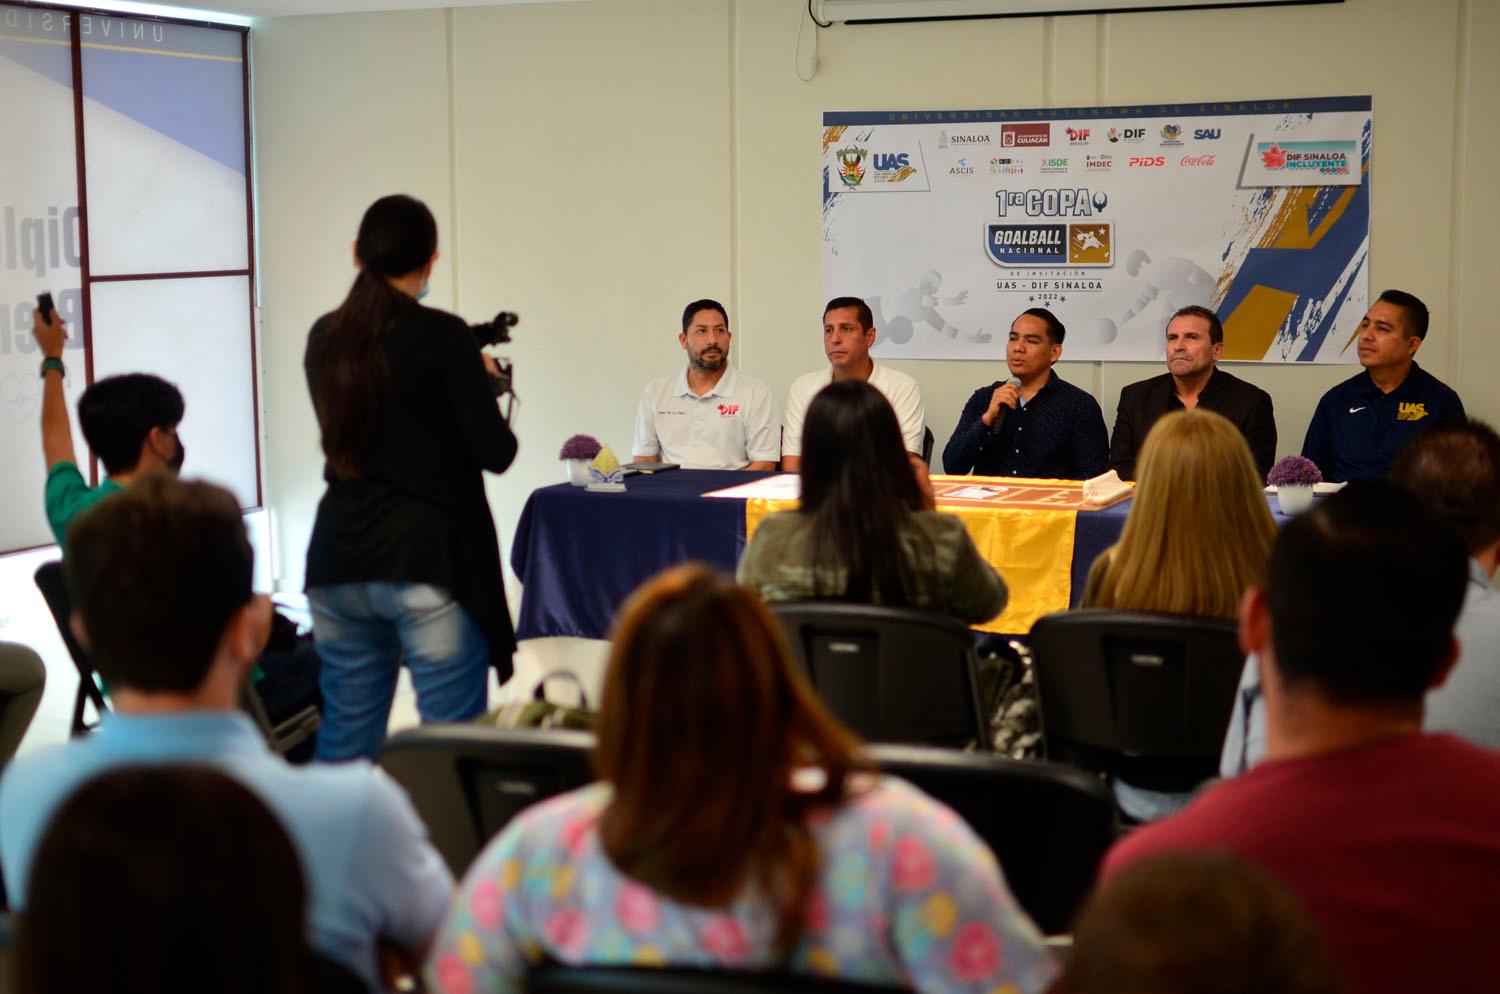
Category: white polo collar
<point>723,388</point>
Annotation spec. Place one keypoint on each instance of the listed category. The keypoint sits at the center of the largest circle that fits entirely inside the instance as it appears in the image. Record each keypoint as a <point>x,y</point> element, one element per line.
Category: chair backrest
<point>468,781</point>
<point>1137,687</point>
<point>551,978</point>
<point>1049,824</point>
<point>54,587</point>
<point>927,441</point>
<point>890,674</point>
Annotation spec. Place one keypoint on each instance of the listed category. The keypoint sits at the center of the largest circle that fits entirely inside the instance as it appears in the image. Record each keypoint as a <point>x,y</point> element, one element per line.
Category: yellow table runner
<point>1031,547</point>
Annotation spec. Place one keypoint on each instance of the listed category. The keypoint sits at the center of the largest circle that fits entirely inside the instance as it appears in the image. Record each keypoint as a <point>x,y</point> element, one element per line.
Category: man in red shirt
<point>1390,837</point>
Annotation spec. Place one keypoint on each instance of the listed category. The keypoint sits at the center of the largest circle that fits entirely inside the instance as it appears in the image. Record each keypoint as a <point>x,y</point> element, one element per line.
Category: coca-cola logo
<point>1196,160</point>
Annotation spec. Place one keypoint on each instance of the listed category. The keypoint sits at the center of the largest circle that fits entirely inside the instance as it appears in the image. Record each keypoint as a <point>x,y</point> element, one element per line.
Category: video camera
<point>497,332</point>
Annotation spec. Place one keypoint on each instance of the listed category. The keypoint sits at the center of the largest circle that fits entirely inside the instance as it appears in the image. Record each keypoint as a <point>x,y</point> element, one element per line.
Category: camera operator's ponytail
<point>397,236</point>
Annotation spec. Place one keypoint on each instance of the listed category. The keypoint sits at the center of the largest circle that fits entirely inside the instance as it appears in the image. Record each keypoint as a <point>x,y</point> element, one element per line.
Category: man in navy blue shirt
<point>1361,423</point>
<point>1035,424</point>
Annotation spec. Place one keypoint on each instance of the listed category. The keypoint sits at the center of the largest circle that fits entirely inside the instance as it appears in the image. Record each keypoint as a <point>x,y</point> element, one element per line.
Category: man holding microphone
<point>1035,424</point>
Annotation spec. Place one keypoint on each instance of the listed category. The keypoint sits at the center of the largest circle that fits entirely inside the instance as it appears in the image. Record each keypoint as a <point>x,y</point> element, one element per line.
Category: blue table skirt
<point>580,554</point>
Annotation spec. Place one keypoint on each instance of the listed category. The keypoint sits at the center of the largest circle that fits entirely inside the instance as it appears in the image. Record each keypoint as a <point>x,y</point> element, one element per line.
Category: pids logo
<point>1207,134</point>
<point>1147,161</point>
<point>1078,136</point>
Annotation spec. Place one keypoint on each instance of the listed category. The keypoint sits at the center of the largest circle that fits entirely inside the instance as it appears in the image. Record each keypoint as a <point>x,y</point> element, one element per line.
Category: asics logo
<point>1355,410</point>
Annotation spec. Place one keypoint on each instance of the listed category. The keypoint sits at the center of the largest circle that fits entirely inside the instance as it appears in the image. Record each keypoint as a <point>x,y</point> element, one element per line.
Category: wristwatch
<point>51,363</point>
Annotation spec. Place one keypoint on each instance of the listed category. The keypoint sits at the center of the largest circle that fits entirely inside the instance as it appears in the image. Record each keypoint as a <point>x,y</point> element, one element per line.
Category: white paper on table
<point>1321,489</point>
<point>783,486</point>
<point>975,493</point>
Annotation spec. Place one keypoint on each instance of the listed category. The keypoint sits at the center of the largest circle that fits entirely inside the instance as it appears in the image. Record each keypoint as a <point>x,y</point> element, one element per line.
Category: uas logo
<point>852,166</point>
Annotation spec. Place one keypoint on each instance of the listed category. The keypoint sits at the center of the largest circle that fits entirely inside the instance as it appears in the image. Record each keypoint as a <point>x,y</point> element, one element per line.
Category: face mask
<point>421,293</point>
<point>177,460</point>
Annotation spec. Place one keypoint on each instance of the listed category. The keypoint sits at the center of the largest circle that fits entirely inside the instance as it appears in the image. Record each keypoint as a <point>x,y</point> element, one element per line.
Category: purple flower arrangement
<point>1294,471</point>
<point>580,447</point>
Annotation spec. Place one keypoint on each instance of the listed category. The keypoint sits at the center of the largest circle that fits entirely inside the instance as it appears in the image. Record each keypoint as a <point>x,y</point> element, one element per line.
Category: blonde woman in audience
<point>1198,536</point>
<point>736,827</point>
<point>1199,532</point>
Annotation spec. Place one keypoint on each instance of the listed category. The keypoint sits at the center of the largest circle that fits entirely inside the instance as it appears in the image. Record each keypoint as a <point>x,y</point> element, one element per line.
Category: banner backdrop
<point>950,223</point>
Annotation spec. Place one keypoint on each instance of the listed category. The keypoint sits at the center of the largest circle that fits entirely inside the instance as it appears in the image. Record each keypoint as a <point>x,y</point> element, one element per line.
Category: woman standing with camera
<point>404,564</point>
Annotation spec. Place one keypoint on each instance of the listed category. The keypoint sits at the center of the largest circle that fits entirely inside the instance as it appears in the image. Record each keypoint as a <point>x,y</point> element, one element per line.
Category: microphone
<point>1000,418</point>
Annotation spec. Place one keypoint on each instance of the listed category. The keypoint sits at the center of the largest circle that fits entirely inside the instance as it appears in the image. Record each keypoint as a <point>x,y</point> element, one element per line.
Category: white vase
<point>1294,499</point>
<point>578,471</point>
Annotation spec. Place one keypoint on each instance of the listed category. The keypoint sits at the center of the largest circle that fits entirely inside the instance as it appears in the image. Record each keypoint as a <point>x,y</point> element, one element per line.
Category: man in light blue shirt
<point>1455,468</point>
<point>161,579</point>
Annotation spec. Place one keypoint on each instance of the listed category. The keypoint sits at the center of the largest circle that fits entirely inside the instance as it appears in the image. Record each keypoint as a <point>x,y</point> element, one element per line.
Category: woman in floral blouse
<point>736,827</point>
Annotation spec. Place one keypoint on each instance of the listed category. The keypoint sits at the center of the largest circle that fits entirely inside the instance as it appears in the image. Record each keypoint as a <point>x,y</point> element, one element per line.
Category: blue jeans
<point>365,632</point>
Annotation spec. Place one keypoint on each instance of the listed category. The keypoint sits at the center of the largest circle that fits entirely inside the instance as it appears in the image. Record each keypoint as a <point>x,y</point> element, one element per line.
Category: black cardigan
<point>1142,403</point>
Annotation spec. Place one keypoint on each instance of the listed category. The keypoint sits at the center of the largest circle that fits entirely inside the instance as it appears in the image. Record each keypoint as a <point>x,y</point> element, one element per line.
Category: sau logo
<point>1078,136</point>
<point>1025,135</point>
<point>1207,134</point>
<point>1090,244</point>
<point>1411,412</point>
<point>1147,161</point>
<point>852,166</point>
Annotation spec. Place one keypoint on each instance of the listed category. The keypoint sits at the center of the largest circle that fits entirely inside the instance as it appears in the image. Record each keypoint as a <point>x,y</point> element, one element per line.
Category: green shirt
<point>68,496</point>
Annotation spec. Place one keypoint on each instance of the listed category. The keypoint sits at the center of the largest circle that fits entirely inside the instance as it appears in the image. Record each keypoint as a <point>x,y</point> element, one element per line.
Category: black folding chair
<point>1048,824</point>
<point>890,674</point>
<point>1146,697</point>
<point>927,441</point>
<point>468,781</point>
<point>54,587</point>
<point>551,978</point>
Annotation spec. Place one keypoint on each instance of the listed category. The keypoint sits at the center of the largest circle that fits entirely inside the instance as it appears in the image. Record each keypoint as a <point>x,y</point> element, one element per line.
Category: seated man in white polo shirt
<point>848,333</point>
<point>710,416</point>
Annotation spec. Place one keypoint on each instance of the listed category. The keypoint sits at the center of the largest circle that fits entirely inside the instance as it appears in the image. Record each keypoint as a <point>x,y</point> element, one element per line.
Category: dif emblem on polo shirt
<point>729,410</point>
<point>1406,412</point>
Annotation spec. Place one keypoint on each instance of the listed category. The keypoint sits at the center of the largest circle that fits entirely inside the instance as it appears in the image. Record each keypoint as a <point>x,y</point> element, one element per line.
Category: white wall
<point>596,165</point>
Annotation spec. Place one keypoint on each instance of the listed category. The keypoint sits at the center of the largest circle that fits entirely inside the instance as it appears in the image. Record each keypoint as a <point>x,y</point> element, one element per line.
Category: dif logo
<point>888,161</point>
<point>1207,134</point>
<point>1025,135</point>
<point>1078,136</point>
<point>1147,161</point>
<point>1127,134</point>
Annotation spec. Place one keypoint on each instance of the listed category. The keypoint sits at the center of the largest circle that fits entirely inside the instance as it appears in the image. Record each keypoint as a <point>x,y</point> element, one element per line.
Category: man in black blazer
<point>1195,341</point>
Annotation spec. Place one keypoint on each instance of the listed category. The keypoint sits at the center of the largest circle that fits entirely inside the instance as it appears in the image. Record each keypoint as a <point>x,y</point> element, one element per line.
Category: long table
<point>579,554</point>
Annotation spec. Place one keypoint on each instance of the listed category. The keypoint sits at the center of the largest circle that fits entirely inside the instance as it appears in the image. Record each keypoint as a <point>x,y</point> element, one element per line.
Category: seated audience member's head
<point>130,422</point>
<point>848,335</point>
<point>1455,469</point>
<point>859,483</point>
<point>1199,530</point>
<point>1196,923</point>
<point>1392,331</point>
<point>161,581</point>
<point>704,719</point>
<point>169,880</point>
<point>1360,600</point>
